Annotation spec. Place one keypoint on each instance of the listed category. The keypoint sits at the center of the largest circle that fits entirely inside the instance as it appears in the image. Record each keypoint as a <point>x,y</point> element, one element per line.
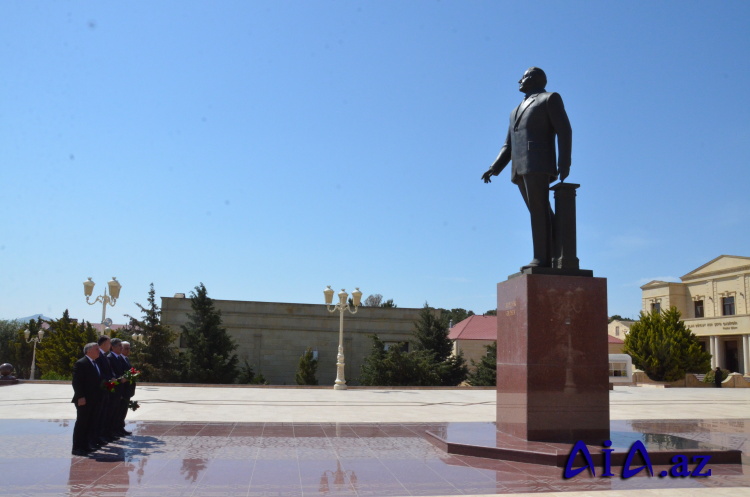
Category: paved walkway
<point>203,441</point>
<point>325,405</point>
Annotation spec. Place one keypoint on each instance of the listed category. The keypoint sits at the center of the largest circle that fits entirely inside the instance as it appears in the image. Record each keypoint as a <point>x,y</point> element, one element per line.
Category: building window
<point>656,307</point>
<point>727,304</point>
<point>698,306</point>
<point>618,369</point>
<point>617,331</point>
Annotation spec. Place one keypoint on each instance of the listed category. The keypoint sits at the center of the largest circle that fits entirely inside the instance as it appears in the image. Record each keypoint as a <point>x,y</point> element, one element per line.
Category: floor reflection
<point>246,459</point>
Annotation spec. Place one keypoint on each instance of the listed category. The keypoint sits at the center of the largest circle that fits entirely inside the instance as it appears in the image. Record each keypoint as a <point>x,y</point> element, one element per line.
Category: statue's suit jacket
<point>530,143</point>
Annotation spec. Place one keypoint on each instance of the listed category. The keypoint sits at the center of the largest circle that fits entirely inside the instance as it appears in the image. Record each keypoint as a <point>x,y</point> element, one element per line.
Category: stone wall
<point>472,349</point>
<point>272,336</point>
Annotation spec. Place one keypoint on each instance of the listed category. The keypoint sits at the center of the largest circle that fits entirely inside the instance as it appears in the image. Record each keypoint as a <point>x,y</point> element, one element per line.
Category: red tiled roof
<point>475,328</point>
<point>612,339</point>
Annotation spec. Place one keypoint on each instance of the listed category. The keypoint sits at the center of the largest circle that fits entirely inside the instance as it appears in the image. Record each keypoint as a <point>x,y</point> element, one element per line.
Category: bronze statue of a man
<point>530,146</point>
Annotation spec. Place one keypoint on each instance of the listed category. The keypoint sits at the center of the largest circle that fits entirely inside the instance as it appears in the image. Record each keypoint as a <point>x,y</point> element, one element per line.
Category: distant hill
<point>34,317</point>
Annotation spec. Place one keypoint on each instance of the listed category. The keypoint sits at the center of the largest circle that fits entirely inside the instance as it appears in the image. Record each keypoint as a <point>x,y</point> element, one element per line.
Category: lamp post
<point>111,299</point>
<point>341,306</point>
<point>36,340</point>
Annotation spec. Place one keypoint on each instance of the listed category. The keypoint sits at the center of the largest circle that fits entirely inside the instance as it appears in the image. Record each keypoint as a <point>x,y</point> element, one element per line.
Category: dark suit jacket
<point>130,387</point>
<point>104,367</point>
<point>118,369</point>
<point>530,142</point>
<point>86,381</point>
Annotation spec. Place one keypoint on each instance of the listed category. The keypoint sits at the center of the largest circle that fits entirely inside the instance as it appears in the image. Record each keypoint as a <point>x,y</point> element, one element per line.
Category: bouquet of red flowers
<point>131,374</point>
<point>110,385</point>
<point>133,404</point>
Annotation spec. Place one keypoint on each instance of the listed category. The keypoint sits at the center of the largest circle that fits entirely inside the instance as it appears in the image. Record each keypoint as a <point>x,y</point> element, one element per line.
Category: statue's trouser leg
<point>535,191</point>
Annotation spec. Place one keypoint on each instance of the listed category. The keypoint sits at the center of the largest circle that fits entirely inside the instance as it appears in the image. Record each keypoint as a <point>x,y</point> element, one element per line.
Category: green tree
<point>247,375</point>
<point>388,304</point>
<point>431,334</point>
<point>485,374</point>
<point>491,312</point>
<point>13,346</point>
<point>63,345</point>
<point>210,356</point>
<point>397,367</point>
<point>455,315</point>
<point>619,318</point>
<point>430,363</point>
<point>157,356</point>
<point>306,369</point>
<point>662,346</point>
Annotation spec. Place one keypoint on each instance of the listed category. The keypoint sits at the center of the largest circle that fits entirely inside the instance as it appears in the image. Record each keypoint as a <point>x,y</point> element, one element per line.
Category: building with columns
<point>713,301</point>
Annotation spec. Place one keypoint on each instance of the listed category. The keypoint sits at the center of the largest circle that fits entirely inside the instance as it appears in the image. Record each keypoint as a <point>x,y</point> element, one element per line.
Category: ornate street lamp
<point>341,306</point>
<point>36,340</point>
<point>111,299</point>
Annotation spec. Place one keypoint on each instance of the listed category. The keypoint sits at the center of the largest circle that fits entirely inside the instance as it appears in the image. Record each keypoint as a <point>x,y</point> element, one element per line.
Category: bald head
<point>533,80</point>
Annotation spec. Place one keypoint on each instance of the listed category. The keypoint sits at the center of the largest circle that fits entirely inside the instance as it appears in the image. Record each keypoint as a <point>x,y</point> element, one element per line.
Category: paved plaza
<point>238,441</point>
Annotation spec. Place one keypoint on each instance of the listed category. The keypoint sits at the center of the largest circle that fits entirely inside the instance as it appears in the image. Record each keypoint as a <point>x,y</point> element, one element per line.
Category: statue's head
<point>533,79</point>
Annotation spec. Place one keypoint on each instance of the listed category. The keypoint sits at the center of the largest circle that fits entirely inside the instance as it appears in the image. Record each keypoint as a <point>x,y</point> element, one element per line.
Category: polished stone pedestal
<point>552,364</point>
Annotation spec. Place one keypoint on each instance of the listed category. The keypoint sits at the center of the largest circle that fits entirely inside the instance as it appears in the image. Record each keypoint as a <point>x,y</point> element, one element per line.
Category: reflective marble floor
<point>170,459</point>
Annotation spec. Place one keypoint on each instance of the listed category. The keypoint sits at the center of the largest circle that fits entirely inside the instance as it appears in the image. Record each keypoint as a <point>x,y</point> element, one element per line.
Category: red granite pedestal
<point>552,364</point>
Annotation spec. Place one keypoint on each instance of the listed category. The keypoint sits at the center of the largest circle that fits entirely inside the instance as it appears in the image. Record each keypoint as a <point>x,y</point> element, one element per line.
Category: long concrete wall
<point>272,336</point>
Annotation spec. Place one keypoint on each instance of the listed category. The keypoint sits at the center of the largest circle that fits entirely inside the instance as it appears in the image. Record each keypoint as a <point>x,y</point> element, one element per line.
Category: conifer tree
<point>210,356</point>
<point>397,367</point>
<point>63,345</point>
<point>306,369</point>
<point>664,348</point>
<point>485,374</point>
<point>431,333</point>
<point>156,358</point>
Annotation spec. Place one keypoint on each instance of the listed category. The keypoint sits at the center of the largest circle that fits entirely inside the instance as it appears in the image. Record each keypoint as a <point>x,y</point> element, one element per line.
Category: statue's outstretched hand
<point>486,176</point>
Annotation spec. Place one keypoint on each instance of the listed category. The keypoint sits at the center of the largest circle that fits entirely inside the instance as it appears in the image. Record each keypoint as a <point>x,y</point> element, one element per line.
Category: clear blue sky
<point>268,149</point>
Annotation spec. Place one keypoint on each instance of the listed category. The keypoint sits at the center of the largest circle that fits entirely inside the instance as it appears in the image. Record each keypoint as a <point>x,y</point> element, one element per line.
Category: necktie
<point>98,371</point>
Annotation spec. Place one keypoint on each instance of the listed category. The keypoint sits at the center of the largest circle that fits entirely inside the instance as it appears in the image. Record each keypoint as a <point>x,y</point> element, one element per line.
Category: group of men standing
<point>100,416</point>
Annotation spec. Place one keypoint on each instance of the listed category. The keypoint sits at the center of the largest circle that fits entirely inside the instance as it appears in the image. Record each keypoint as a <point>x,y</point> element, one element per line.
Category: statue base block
<point>552,360</point>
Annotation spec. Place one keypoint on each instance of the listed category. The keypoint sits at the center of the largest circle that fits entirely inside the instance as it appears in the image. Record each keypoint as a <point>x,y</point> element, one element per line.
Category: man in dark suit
<point>530,145</point>
<point>86,397</point>
<point>118,365</point>
<point>106,408</point>
<point>130,386</point>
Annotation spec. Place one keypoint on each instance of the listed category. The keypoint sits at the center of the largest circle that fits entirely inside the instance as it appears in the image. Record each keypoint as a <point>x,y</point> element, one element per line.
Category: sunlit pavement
<point>201,441</point>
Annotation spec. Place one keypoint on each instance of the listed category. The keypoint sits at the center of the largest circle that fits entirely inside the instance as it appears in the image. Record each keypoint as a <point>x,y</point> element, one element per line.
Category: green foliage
<point>431,363</point>
<point>664,348</point>
<point>210,354</point>
<point>455,315</point>
<point>619,318</point>
<point>491,312</point>
<point>63,345</point>
<point>376,300</point>
<point>485,374</point>
<point>306,369</point>
<point>396,367</point>
<point>157,358</point>
<point>57,376</point>
<point>13,346</point>
<point>711,375</point>
<point>247,376</point>
<point>431,333</point>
